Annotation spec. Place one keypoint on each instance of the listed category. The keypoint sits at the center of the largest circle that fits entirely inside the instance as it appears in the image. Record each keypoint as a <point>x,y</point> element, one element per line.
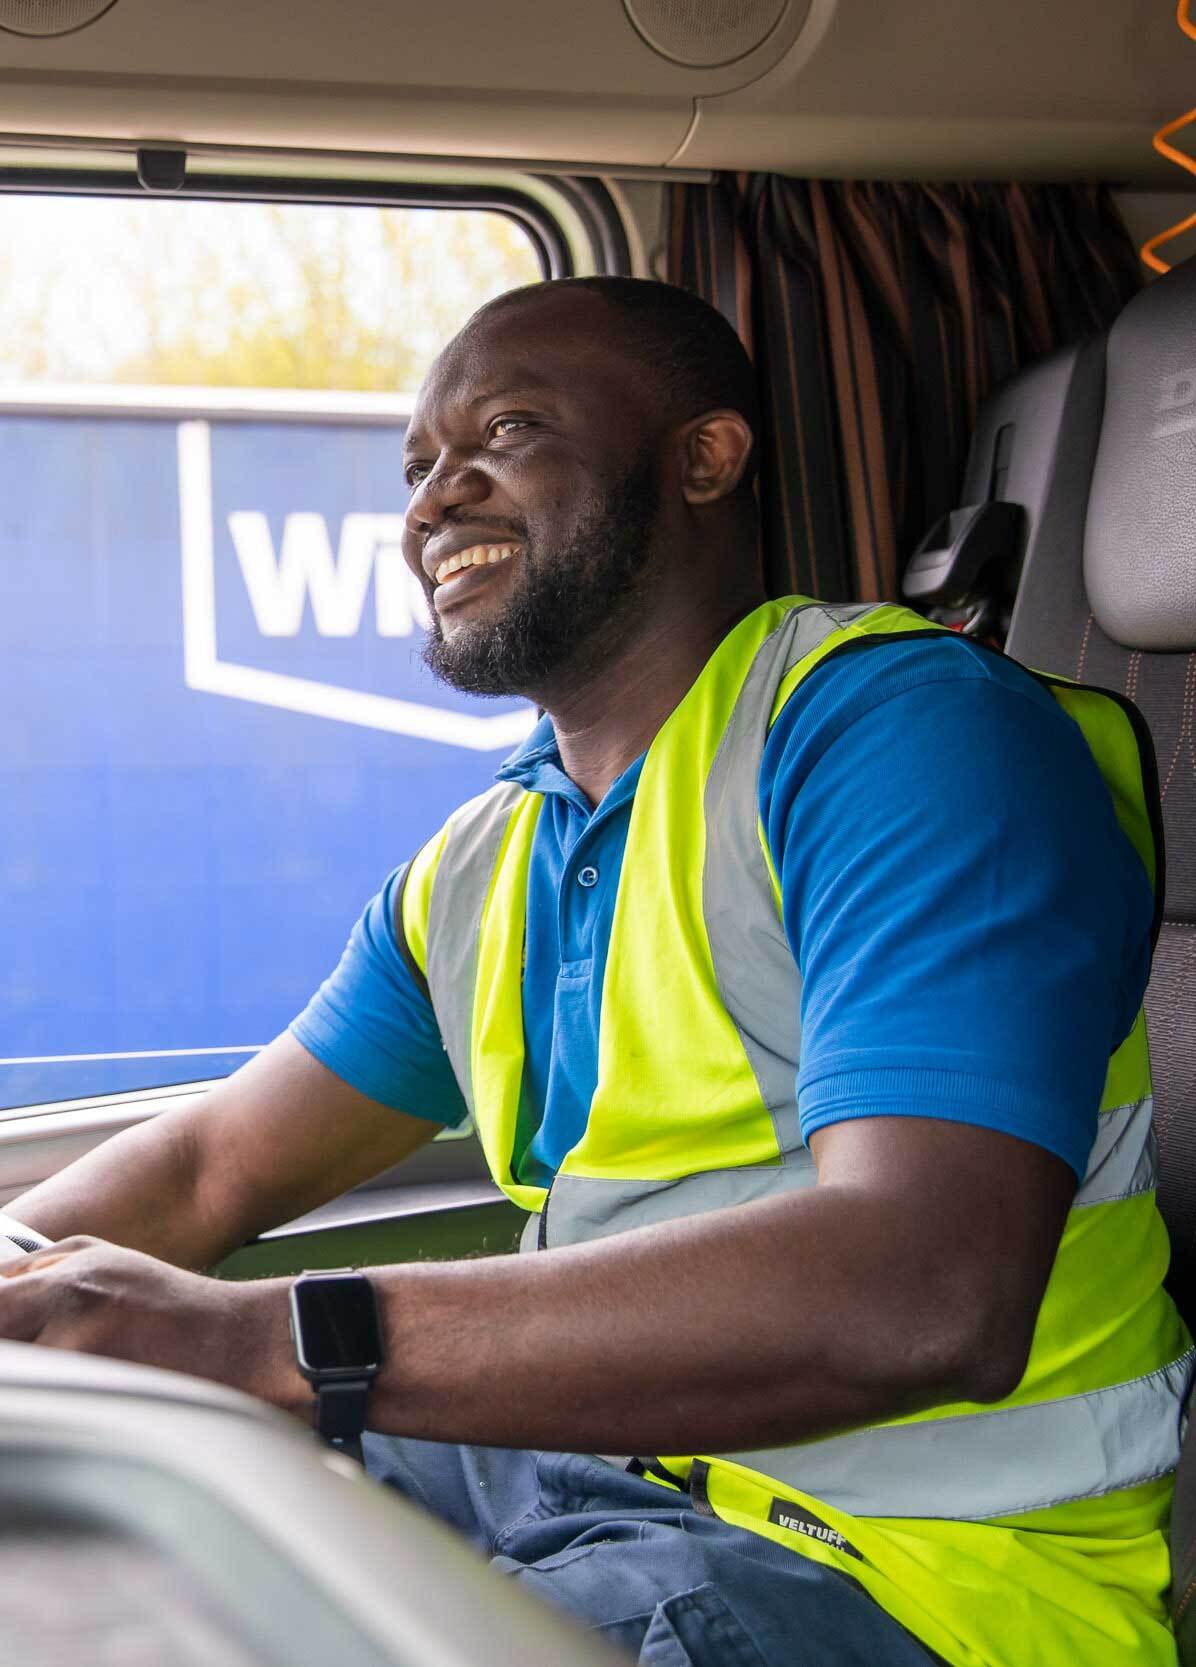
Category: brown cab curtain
<point>878,317</point>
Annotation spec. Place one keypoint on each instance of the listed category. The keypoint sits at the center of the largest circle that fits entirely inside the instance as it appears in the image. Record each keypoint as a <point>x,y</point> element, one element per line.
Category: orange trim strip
<point>1149,258</point>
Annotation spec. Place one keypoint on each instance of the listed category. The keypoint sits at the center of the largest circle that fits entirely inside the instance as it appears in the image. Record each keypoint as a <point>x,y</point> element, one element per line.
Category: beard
<point>569,609</point>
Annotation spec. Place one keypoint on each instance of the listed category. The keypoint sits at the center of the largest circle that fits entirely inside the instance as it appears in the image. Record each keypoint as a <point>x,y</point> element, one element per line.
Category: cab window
<point>217,734</point>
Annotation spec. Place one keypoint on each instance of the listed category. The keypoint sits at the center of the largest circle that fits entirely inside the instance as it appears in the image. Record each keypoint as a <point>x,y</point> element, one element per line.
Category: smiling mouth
<point>479,555</point>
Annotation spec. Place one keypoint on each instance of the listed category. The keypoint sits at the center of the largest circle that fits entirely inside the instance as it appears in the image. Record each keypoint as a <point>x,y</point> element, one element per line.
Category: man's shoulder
<point>872,676</point>
<point>870,668</point>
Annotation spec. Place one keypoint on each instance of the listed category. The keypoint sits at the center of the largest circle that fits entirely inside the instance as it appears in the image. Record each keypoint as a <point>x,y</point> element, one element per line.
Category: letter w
<point>306,566</point>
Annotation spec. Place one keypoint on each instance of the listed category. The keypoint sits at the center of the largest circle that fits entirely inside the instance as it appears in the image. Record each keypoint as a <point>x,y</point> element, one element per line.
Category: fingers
<point>25,1308</point>
<point>31,1306</point>
<point>37,1260</point>
<point>14,1270</point>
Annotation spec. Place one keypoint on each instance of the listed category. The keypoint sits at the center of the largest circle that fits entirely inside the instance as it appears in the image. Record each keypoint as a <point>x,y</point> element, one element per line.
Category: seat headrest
<point>1140,534</point>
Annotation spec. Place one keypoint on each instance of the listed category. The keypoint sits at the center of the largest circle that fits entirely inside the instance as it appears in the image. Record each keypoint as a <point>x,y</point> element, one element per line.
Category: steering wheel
<point>18,1240</point>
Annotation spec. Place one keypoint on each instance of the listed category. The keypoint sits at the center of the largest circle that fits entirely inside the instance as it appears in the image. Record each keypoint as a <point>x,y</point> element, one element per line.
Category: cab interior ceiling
<point>1032,89</point>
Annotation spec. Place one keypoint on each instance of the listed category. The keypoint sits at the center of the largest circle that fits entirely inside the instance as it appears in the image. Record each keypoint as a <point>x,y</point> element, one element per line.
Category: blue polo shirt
<point>972,927</point>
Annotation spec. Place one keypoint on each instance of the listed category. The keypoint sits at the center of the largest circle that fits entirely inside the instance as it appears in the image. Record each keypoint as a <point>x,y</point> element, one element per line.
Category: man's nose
<point>451,485</point>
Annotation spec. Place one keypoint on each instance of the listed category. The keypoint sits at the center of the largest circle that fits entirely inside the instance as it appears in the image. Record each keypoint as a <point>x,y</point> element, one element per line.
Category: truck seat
<point>1024,491</point>
<point>1107,595</point>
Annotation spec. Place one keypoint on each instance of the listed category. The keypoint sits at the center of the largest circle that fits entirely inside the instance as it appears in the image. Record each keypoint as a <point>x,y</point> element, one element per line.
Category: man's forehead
<point>534,346</point>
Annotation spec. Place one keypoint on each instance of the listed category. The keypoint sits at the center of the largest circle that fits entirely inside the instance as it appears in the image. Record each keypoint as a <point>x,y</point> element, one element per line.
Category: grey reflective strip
<point>581,1208</point>
<point>459,892</point>
<point>845,613</point>
<point>1122,1163</point>
<point>995,1464</point>
<point>757,976</point>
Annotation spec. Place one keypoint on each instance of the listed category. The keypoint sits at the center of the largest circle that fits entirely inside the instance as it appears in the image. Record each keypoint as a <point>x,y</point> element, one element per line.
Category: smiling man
<point>792,974</point>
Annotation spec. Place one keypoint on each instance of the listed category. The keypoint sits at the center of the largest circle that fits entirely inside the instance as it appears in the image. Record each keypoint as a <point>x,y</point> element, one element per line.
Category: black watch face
<point>338,1323</point>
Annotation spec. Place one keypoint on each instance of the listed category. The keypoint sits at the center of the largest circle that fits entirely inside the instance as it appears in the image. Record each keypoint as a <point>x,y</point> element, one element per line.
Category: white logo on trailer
<point>278,586</point>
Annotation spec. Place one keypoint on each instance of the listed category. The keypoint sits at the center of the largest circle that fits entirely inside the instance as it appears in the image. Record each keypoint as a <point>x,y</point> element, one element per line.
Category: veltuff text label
<point>785,1514</point>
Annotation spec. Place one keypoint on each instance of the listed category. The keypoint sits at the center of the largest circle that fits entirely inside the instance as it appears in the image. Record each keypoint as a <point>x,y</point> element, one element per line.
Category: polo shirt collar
<point>536,763</point>
<point>536,766</point>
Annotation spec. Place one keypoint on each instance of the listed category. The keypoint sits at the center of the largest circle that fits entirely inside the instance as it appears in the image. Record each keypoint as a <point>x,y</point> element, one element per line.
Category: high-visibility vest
<point>695,1109</point>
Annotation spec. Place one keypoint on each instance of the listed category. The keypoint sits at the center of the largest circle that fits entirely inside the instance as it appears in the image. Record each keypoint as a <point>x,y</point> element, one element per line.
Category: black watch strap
<point>338,1349</point>
<point>340,1409</point>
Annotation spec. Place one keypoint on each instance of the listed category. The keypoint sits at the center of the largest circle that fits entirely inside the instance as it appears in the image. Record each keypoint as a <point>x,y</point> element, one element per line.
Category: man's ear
<point>715,449</point>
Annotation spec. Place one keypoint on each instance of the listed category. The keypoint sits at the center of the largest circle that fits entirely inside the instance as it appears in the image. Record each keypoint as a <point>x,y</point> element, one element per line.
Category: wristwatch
<point>338,1348</point>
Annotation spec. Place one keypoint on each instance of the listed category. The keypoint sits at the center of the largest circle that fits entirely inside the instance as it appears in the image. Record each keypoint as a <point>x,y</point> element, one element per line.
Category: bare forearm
<point>140,1188</point>
<point>758,1326</point>
<point>279,1137</point>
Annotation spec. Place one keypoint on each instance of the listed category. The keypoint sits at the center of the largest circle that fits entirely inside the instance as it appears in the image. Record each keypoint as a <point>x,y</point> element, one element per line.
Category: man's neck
<point>605,721</point>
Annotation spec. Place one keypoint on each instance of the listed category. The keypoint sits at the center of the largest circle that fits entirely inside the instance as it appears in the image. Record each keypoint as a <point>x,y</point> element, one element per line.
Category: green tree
<point>248,295</point>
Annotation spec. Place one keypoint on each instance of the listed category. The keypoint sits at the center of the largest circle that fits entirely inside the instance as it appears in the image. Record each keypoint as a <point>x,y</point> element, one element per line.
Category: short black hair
<point>692,353</point>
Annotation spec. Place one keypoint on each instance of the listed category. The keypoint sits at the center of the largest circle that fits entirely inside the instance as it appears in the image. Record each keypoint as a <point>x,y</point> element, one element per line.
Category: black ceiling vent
<point>50,17</point>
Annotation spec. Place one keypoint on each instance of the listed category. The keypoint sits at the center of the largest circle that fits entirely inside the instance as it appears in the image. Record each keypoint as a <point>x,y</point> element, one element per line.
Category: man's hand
<point>100,1298</point>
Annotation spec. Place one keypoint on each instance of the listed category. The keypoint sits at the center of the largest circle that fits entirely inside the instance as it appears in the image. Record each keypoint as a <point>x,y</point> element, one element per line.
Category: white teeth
<point>480,555</point>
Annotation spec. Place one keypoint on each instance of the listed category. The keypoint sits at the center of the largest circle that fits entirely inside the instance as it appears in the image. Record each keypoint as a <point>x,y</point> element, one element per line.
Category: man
<point>743,832</point>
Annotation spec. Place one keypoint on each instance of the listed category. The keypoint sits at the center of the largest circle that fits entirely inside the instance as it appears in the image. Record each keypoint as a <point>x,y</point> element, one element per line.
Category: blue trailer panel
<point>217,734</point>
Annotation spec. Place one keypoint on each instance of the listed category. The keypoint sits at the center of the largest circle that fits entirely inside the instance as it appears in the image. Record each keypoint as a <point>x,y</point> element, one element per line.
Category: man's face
<point>534,496</point>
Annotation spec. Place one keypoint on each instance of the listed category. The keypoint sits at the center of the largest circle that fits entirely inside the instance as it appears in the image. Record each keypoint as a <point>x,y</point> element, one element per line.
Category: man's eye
<point>415,472</point>
<point>506,424</point>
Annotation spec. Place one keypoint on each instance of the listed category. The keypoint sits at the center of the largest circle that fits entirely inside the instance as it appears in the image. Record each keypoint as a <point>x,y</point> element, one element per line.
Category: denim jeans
<point>638,1564</point>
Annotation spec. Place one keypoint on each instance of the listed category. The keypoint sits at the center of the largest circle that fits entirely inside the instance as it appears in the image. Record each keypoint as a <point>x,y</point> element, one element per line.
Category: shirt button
<point>587,877</point>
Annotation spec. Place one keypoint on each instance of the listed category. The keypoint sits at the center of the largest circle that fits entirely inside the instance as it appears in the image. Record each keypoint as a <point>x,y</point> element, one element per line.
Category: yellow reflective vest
<point>1032,1530</point>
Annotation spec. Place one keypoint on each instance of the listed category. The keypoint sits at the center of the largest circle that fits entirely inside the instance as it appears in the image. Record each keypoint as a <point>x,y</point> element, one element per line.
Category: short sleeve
<point>971,925</point>
<point>374,1027</point>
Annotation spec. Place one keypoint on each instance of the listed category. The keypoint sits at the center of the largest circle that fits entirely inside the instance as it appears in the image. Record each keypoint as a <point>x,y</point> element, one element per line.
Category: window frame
<point>572,222</point>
